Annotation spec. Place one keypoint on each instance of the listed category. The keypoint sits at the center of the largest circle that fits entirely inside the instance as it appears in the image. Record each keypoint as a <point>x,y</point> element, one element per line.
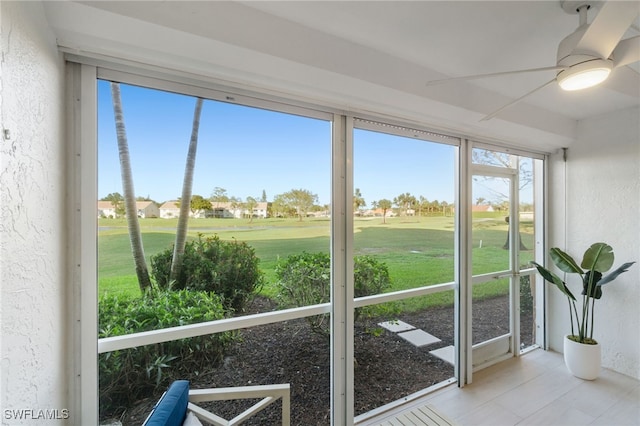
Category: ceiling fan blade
<point>627,51</point>
<point>608,27</point>
<point>624,80</point>
<point>495,74</point>
<point>515,101</point>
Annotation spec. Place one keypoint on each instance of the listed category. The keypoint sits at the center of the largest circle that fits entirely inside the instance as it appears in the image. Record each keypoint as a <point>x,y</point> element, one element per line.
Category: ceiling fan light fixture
<point>584,75</point>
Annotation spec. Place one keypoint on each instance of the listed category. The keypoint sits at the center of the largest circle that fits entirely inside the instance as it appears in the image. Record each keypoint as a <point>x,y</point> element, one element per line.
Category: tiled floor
<point>535,389</point>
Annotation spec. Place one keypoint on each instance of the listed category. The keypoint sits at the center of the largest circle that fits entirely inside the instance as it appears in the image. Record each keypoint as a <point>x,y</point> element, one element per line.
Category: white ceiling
<point>364,55</point>
<point>457,38</point>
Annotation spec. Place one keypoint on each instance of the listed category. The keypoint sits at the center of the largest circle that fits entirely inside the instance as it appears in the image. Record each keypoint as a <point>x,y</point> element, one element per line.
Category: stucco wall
<point>603,204</point>
<point>32,229</point>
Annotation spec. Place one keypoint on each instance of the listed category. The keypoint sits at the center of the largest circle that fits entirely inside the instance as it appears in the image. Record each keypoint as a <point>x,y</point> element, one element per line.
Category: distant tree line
<point>300,202</point>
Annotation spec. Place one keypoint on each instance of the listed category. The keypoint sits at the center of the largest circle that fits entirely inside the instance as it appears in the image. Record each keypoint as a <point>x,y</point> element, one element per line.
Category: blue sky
<point>247,150</point>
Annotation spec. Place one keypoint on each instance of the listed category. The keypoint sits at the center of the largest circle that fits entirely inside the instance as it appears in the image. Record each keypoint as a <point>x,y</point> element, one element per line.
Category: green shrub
<point>128,375</point>
<point>226,268</point>
<point>304,279</point>
<point>526,297</point>
<point>369,276</point>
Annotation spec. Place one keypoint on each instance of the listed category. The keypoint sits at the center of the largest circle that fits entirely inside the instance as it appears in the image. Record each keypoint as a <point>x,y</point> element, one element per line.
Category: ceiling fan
<point>587,56</point>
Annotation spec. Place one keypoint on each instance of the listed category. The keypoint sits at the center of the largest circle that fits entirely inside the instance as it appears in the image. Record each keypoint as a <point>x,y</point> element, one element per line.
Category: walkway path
<point>419,338</point>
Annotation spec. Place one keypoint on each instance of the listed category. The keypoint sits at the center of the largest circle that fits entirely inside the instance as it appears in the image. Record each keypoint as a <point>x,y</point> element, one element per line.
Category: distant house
<point>106,209</point>
<point>481,208</point>
<point>236,210</point>
<point>169,210</point>
<point>261,210</point>
<point>225,210</point>
<point>219,209</point>
<point>378,213</point>
<point>146,209</point>
<point>200,213</point>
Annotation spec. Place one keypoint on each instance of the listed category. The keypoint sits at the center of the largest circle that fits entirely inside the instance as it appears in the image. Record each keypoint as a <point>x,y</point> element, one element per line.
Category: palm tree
<point>130,208</point>
<point>422,203</point>
<point>185,205</point>
<point>384,205</point>
<point>358,201</point>
<point>251,204</point>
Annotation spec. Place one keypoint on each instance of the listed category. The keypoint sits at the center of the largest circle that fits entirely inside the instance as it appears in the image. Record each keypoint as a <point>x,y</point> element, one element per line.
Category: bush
<point>128,375</point>
<point>369,276</point>
<point>226,268</point>
<point>304,279</point>
<point>526,297</point>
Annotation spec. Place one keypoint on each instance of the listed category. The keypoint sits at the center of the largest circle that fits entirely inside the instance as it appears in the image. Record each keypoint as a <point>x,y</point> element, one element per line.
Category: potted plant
<point>581,351</point>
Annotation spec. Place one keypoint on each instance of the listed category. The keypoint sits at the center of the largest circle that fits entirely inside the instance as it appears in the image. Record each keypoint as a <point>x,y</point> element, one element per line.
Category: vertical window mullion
<point>541,232</point>
<point>83,312</point>
<point>342,272</point>
<point>463,338</point>
<point>514,241</point>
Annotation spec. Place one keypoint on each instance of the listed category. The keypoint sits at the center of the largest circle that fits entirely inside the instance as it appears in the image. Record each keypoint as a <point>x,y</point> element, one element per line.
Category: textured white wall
<point>32,229</point>
<point>603,204</point>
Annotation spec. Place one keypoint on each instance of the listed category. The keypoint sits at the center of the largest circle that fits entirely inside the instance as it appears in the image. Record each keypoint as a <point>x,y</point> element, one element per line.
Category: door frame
<point>506,346</point>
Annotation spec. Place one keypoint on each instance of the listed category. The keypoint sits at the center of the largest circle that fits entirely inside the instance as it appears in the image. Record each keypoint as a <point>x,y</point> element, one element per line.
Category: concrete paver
<point>445,354</point>
<point>419,337</point>
<point>396,326</point>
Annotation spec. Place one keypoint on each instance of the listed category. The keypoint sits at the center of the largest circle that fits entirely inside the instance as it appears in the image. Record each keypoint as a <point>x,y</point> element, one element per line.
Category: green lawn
<point>417,251</point>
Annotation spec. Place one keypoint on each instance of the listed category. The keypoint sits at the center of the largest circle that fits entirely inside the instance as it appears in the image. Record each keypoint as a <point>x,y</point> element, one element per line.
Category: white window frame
<point>82,126</point>
<point>82,76</point>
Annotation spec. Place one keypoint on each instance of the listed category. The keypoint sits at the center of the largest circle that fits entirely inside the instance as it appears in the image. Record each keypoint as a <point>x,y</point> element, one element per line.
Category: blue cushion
<point>171,410</point>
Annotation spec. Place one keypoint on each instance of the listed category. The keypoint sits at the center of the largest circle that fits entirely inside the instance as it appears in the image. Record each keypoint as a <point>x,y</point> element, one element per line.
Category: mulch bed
<point>387,367</point>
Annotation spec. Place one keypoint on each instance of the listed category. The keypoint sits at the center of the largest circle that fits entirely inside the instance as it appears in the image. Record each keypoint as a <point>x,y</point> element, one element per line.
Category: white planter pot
<point>582,360</point>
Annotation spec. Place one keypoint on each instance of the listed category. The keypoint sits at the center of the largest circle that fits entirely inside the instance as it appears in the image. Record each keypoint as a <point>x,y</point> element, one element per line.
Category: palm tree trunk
<point>129,195</point>
<point>185,201</point>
